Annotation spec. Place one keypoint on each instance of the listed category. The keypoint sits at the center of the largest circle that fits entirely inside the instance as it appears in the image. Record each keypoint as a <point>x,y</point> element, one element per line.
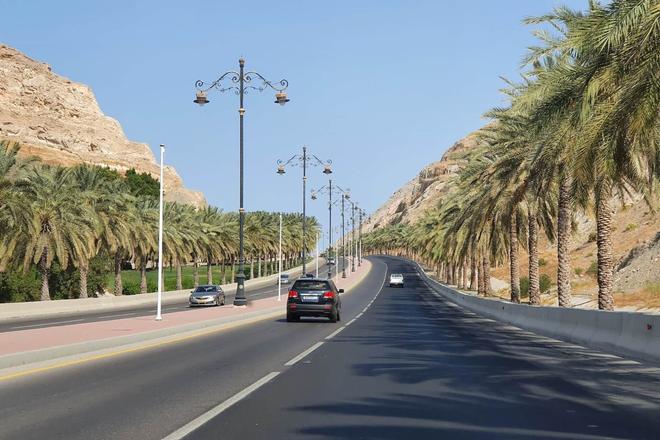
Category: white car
<point>396,280</point>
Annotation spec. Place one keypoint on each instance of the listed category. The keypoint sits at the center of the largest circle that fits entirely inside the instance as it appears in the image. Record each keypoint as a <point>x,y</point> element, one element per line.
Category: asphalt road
<point>407,366</point>
<point>151,393</point>
<point>142,310</point>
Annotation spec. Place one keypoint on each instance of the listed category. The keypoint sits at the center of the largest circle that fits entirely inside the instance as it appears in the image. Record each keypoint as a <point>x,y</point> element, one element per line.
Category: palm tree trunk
<point>83,271</point>
<point>223,267</point>
<point>473,272</point>
<point>480,279</point>
<point>119,290</point>
<point>513,258</point>
<point>143,275</point>
<point>486,271</point>
<point>259,266</point>
<point>463,275</point>
<point>45,273</point>
<point>251,268</point>
<point>604,214</point>
<point>179,283</point>
<point>233,271</point>
<point>532,244</point>
<point>563,237</point>
<point>209,271</point>
<point>196,273</point>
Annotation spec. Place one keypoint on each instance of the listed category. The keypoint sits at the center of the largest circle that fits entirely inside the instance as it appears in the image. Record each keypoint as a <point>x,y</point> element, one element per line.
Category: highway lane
<point>417,367</point>
<point>153,392</point>
<point>141,310</point>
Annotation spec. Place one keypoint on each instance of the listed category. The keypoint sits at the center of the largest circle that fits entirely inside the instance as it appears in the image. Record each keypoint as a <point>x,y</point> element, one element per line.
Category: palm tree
<point>57,225</point>
<point>144,235</point>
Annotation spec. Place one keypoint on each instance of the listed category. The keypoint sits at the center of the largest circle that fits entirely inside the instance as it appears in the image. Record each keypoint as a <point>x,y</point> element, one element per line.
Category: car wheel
<point>223,301</point>
<point>338,315</point>
<point>334,316</point>
<point>290,317</point>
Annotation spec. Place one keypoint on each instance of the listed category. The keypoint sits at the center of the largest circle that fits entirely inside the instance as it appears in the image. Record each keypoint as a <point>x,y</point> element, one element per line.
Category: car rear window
<point>311,285</point>
<point>206,289</point>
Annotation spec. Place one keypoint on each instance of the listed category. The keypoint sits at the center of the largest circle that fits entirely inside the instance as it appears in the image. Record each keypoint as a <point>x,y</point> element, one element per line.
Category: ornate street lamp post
<point>330,190</point>
<point>303,160</point>
<point>240,83</point>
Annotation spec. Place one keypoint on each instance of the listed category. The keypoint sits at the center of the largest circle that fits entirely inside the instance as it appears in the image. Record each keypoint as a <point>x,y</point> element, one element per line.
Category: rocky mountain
<point>60,122</point>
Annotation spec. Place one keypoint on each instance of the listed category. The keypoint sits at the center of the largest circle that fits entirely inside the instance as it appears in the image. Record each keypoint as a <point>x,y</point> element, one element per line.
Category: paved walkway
<point>41,338</point>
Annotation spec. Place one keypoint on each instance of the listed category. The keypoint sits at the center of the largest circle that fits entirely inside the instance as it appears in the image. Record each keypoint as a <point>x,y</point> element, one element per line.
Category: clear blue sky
<point>380,87</point>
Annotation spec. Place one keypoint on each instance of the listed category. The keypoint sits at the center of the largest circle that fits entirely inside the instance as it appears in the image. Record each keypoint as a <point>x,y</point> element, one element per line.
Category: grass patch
<point>130,279</point>
<point>648,297</point>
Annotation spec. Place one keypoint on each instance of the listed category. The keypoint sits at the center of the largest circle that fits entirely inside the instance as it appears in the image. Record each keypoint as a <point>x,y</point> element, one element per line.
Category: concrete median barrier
<point>629,334</point>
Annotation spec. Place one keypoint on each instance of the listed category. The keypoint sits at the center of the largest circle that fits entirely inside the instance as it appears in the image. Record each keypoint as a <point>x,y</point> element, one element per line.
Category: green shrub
<point>578,271</point>
<point>630,227</point>
<point>592,237</point>
<point>16,286</point>
<point>545,283</point>
<point>592,269</point>
<point>542,262</point>
<point>524,287</point>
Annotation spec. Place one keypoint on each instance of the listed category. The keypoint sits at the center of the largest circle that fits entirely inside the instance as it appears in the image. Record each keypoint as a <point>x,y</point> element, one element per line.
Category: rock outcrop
<point>60,122</point>
<point>424,191</point>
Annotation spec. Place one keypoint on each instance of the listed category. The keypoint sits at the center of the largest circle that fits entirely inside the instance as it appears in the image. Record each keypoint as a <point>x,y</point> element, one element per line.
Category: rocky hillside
<point>427,188</point>
<point>60,122</point>
<point>636,239</point>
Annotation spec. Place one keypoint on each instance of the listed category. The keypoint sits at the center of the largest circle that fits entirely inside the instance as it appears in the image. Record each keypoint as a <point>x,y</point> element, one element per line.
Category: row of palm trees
<point>72,214</point>
<point>580,132</point>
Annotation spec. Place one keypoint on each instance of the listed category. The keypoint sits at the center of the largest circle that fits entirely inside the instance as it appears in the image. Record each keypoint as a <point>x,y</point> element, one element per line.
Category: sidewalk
<point>42,344</point>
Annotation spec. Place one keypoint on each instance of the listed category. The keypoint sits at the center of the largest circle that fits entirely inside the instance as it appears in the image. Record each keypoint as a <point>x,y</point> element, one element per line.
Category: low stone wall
<point>630,334</point>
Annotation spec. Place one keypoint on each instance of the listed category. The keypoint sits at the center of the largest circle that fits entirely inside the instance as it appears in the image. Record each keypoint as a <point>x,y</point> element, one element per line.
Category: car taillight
<point>293,294</point>
<point>329,295</point>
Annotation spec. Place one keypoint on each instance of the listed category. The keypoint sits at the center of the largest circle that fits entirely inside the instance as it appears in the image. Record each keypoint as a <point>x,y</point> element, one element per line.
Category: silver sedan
<point>207,295</point>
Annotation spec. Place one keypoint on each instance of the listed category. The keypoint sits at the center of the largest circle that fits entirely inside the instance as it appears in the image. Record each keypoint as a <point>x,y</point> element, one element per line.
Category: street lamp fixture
<point>200,98</point>
<point>280,98</point>
<point>240,83</point>
<point>303,160</point>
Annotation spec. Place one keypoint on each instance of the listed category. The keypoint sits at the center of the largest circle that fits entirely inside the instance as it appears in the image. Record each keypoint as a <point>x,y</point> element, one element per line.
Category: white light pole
<point>317,255</point>
<point>160,238</point>
<point>279,257</point>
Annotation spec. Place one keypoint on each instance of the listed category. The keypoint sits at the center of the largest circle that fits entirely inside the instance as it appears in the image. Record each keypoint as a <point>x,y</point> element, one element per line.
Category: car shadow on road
<point>454,374</point>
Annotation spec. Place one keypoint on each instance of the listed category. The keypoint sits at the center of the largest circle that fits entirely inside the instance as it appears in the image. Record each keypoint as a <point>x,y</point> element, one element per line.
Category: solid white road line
<point>303,354</point>
<point>207,416</point>
<point>333,334</point>
<point>48,324</point>
<point>359,315</point>
<point>351,321</point>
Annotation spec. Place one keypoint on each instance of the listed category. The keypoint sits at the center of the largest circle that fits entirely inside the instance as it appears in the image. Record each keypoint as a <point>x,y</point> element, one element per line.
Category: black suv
<point>313,297</point>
